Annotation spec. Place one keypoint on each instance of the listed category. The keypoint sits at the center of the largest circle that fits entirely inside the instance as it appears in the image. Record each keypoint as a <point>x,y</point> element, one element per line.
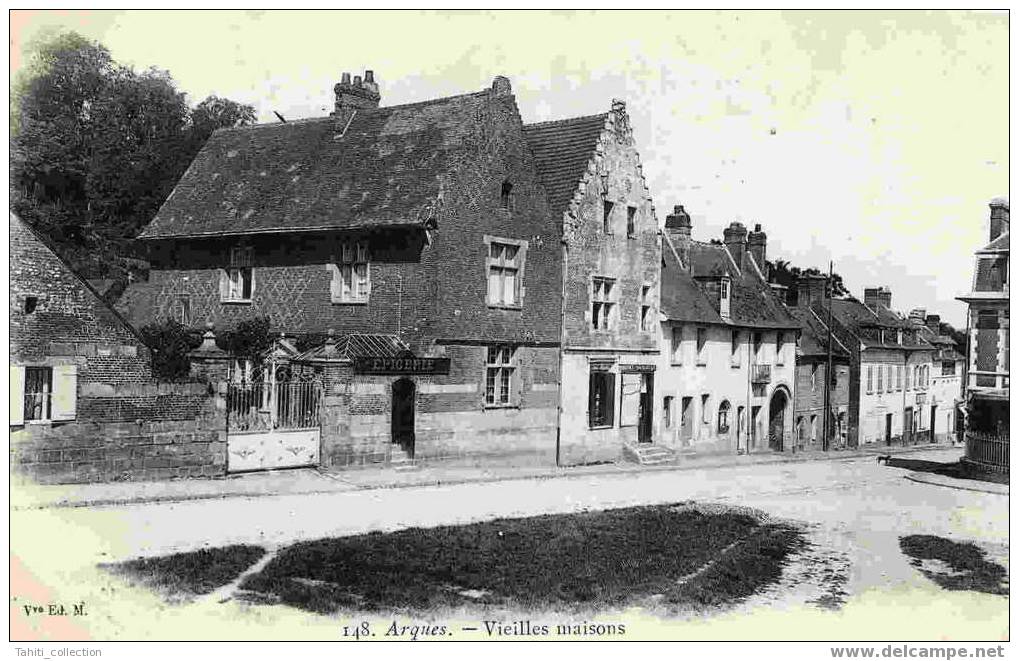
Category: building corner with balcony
<point>986,378</point>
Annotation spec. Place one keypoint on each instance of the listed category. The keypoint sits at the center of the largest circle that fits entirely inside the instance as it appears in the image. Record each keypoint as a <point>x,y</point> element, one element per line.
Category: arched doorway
<point>776,420</point>
<point>403,415</point>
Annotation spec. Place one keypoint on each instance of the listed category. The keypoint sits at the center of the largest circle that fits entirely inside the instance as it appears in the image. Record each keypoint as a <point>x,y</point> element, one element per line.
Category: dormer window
<point>723,297</point>
<point>506,196</point>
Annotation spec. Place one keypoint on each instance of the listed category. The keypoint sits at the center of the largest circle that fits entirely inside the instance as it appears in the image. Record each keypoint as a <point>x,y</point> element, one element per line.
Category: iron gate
<point>273,424</point>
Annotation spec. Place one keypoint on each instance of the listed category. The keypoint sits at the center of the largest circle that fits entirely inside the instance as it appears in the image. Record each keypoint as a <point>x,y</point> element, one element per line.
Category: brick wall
<point>451,420</point>
<point>130,432</point>
<point>69,323</point>
<point>632,261</point>
<point>423,288</point>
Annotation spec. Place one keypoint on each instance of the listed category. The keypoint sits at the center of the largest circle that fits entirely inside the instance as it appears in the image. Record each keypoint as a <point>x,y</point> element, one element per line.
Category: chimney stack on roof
<point>501,85</point>
<point>758,246</point>
<point>678,227</point>
<point>874,296</point>
<point>351,96</point>
<point>735,239</point>
<point>810,289</point>
<point>999,217</point>
<point>933,322</point>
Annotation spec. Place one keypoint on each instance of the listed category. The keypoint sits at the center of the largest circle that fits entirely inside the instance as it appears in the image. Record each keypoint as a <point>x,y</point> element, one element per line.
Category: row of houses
<point>444,281</point>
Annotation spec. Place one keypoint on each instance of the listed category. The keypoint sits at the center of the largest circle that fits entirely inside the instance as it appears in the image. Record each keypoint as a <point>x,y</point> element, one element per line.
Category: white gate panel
<point>266,450</point>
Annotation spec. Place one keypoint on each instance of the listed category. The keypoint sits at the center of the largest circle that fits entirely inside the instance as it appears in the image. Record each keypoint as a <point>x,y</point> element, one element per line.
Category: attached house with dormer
<point>729,345</point>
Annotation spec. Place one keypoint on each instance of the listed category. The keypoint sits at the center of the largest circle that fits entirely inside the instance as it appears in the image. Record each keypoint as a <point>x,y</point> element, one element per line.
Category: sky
<point>872,139</point>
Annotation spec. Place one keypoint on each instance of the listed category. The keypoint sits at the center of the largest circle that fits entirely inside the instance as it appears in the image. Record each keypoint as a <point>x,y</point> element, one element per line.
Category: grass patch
<point>955,565</point>
<point>748,566</point>
<point>954,469</point>
<point>186,575</point>
<point>591,559</point>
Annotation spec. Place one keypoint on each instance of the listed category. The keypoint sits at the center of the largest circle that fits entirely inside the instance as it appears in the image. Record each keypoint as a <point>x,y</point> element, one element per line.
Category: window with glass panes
<point>240,276</point>
<point>499,370</point>
<point>503,274</point>
<point>38,392</point>
<point>602,302</point>
<point>645,308</point>
<point>352,277</point>
<point>601,406</point>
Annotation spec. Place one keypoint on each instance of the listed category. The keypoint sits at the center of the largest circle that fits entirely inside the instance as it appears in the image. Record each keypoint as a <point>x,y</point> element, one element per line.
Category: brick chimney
<point>735,239</point>
<point>758,246</point>
<point>999,217</point>
<point>874,296</point>
<point>678,227</point>
<point>810,289</point>
<point>351,96</point>
<point>933,322</point>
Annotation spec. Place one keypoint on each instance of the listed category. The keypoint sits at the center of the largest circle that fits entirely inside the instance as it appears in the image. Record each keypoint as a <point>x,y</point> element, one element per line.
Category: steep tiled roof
<point>814,335</point>
<point>864,322</point>
<point>562,150</point>
<point>752,302</point>
<point>381,169</point>
<point>681,298</point>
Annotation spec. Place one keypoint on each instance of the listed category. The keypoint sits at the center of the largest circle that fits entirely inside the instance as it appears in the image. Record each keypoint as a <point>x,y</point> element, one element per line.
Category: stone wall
<point>133,432</point>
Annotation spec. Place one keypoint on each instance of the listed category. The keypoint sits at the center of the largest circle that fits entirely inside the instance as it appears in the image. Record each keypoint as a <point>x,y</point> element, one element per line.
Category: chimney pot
<point>501,85</point>
<point>352,96</point>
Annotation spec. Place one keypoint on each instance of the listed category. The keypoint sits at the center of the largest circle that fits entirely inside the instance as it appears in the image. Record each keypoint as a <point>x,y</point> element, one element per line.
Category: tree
<point>783,273</point>
<point>171,343</point>
<point>250,339</point>
<point>97,148</point>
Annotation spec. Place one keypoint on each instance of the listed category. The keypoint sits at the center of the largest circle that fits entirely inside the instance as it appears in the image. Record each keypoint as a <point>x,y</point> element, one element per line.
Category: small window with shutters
<point>43,393</point>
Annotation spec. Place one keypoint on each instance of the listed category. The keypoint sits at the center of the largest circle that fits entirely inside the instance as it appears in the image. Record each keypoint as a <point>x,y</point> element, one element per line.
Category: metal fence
<point>987,449</point>
<point>265,406</point>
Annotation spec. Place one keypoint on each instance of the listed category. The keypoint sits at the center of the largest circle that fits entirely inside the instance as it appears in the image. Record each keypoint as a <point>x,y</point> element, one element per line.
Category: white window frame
<point>604,297</point>
<point>347,286</point>
<point>59,401</point>
<point>232,279</point>
<point>503,266</point>
<point>646,309</point>
<point>500,368</point>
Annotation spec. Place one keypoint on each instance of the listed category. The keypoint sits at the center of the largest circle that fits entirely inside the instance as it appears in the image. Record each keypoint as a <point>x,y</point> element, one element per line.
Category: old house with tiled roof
<point>987,371</point>
<point>597,193</point>
<point>819,347</point>
<point>84,405</point>
<point>452,241</point>
<point>945,395</point>
<point>729,345</point>
<point>890,370</point>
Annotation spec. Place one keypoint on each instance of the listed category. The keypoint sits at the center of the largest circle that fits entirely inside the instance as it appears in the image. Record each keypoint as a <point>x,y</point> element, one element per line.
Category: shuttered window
<point>43,393</point>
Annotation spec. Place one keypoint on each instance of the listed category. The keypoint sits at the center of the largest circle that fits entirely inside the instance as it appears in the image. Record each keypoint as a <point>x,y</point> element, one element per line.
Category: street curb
<point>618,469</point>
<point>961,485</point>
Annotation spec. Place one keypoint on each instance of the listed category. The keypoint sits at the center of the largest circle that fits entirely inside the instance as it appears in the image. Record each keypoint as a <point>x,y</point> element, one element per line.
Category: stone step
<point>648,455</point>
